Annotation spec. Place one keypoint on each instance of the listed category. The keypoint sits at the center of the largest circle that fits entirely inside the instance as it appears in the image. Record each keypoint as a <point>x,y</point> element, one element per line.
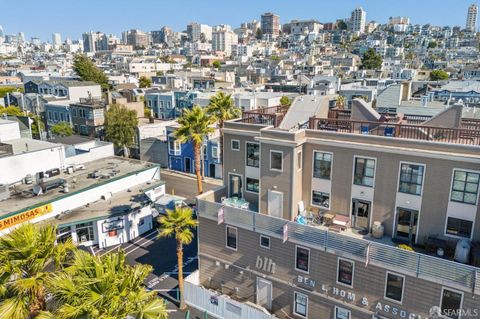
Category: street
<point>160,253</point>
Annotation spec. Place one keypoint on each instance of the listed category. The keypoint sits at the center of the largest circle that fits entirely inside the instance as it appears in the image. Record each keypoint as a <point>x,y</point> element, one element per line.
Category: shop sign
<point>25,216</point>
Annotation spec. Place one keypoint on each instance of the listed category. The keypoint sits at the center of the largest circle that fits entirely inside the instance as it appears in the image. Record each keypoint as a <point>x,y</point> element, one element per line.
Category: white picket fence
<point>217,305</point>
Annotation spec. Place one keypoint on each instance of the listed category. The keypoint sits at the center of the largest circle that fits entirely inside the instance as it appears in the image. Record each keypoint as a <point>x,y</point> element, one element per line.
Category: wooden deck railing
<point>267,116</point>
<point>398,130</point>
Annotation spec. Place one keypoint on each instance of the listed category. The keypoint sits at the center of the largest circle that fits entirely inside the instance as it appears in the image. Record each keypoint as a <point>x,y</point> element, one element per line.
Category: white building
<point>358,20</point>
<point>56,40</point>
<point>471,23</point>
<point>94,198</point>
<point>199,32</point>
<point>223,38</point>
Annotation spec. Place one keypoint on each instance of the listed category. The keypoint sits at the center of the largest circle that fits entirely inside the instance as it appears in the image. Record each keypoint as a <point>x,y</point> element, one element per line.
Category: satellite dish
<point>37,190</point>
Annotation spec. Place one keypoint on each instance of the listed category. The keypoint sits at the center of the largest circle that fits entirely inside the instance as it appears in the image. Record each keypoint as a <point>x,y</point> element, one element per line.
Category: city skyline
<point>177,15</point>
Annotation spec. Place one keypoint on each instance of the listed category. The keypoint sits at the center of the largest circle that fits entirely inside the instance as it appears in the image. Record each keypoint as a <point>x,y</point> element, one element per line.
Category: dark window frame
<point>321,165</point>
<point>409,180</point>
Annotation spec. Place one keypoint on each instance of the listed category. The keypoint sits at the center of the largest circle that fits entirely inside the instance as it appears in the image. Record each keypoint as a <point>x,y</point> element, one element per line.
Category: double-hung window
<point>364,171</point>
<point>411,179</point>
<point>322,165</point>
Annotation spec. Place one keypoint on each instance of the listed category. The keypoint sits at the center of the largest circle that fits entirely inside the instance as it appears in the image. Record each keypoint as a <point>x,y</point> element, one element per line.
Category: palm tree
<point>27,256</point>
<point>340,102</point>
<point>195,125</point>
<point>102,287</point>
<point>221,106</point>
<point>179,223</point>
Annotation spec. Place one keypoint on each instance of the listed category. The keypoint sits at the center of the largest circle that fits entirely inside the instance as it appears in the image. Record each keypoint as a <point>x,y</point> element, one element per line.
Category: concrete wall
<point>224,269</point>
<point>9,130</point>
<point>95,151</point>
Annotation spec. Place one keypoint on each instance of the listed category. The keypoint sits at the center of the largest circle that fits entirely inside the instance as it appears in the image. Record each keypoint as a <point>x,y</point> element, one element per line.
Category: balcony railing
<point>265,116</point>
<point>398,130</point>
<point>434,269</point>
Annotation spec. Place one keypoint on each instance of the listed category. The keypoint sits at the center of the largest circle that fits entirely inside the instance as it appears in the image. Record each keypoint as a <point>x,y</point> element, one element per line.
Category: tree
<point>216,64</point>
<point>103,287</point>
<point>120,126</point>
<point>88,71</point>
<point>285,101</point>
<point>11,111</point>
<point>438,75</point>
<point>147,112</point>
<point>222,108</point>
<point>341,25</point>
<point>145,82</point>
<point>371,60</point>
<point>8,89</point>
<point>179,223</point>
<point>28,255</point>
<point>195,125</point>
<point>259,34</point>
<point>432,45</point>
<point>340,102</point>
<point>62,129</point>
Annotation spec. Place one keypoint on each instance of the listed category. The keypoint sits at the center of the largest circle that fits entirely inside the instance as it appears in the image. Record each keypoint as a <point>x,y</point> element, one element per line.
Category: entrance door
<point>188,164</point>
<point>407,220</point>
<point>264,293</point>
<point>360,214</point>
<point>212,170</point>
<point>235,186</point>
<point>275,203</point>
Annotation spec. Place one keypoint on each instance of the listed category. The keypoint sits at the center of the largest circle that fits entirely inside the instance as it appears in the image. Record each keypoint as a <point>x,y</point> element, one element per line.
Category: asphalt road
<point>160,253</point>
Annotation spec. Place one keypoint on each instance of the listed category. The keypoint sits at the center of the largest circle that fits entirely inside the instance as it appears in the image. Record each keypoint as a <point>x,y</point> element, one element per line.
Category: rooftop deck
<point>266,116</point>
<point>401,129</point>
<point>381,252</point>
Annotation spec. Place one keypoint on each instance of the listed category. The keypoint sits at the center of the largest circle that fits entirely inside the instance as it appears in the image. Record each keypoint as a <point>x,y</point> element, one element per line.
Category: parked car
<point>168,202</point>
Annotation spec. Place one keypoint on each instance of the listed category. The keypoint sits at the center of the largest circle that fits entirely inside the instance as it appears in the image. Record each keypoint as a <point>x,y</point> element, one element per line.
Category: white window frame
<point>269,242</point>
<point>452,290</point>
<point>385,287</point>
<point>451,186</point>
<point>374,170</point>
<point>249,191</point>
<point>338,270</point>
<point>400,175</point>
<point>281,166</point>
<point>231,145</point>
<point>236,237</point>
<point>177,148</point>
<point>215,154</point>
<point>331,165</point>
<point>295,259</point>
<point>315,205</point>
<point>295,293</point>
<point>336,312</point>
<point>472,229</point>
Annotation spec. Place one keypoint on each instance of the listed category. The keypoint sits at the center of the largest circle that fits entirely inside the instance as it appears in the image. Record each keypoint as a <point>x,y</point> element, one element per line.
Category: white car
<point>168,202</point>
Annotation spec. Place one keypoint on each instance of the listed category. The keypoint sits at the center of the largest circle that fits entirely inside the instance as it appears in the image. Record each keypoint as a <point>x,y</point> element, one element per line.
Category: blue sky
<point>72,17</point>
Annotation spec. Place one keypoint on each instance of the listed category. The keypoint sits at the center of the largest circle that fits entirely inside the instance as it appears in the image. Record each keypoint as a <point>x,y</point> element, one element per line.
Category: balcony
<point>380,252</point>
<point>265,116</point>
<point>399,129</point>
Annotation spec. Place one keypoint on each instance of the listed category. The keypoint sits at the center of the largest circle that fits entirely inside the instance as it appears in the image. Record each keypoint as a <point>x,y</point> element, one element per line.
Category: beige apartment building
<point>331,195</point>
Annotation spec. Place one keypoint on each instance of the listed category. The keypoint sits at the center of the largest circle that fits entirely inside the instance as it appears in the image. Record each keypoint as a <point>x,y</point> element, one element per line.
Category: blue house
<point>169,105</point>
<point>181,155</point>
<point>58,111</point>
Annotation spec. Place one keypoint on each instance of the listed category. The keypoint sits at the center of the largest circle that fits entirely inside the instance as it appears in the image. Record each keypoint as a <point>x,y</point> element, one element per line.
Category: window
<point>85,232</point>
<point>459,227</point>
<point>276,159</point>
<point>322,165</point>
<point>299,160</point>
<point>264,241</point>
<point>302,258</point>
<point>253,154</point>
<point>411,179</point>
<point>341,313</point>
<point>174,147</point>
<point>235,144</point>
<point>394,287</point>
<point>345,272</point>
<point>232,237</point>
<point>465,187</point>
<point>451,303</point>
<point>364,172</point>
<point>320,199</point>
<point>253,185</point>
<point>301,304</point>
<point>215,151</point>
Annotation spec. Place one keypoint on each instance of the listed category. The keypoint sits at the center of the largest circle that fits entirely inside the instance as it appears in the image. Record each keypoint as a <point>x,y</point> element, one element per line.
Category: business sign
<point>111,225</point>
<point>25,216</point>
